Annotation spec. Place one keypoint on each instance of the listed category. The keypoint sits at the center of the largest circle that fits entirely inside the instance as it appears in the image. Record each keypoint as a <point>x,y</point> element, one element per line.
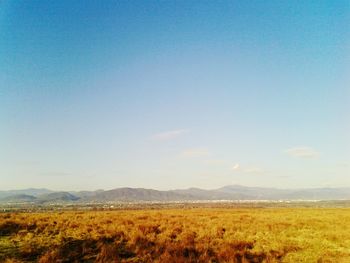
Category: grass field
<point>178,235</point>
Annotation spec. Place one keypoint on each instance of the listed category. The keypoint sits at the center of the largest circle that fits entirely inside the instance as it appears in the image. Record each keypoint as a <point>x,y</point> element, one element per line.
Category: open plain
<point>202,234</point>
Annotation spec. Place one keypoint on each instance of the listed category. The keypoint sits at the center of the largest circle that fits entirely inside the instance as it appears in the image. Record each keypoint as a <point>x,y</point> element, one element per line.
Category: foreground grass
<point>174,235</point>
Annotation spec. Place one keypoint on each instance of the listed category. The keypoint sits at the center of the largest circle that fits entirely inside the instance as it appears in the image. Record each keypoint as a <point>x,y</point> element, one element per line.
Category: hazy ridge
<point>126,194</point>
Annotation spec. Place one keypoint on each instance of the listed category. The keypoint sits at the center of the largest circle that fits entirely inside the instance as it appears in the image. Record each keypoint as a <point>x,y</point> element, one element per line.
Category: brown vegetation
<point>173,235</point>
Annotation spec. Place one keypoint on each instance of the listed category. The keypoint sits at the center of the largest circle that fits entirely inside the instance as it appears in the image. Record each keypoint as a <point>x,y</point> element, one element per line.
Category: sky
<point>174,94</point>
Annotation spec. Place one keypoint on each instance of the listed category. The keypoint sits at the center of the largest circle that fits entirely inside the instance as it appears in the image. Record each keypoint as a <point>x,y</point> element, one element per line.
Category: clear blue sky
<point>173,94</point>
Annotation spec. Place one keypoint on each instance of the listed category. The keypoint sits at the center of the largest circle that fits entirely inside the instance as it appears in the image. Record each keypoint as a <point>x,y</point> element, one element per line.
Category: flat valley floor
<point>271,234</point>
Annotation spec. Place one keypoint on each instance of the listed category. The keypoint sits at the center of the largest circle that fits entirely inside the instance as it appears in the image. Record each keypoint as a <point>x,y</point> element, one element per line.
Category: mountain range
<point>230,192</point>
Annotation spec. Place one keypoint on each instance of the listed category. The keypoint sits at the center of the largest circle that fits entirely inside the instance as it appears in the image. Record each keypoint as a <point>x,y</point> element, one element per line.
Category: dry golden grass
<point>174,235</point>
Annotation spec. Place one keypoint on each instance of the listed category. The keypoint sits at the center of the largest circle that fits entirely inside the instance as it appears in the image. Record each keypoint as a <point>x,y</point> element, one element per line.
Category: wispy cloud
<point>303,152</point>
<point>169,135</point>
<point>195,152</point>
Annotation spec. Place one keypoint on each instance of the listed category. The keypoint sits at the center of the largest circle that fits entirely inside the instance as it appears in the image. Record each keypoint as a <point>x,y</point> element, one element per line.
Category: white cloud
<point>303,152</point>
<point>196,152</point>
<point>247,169</point>
<point>235,167</point>
<point>169,135</point>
